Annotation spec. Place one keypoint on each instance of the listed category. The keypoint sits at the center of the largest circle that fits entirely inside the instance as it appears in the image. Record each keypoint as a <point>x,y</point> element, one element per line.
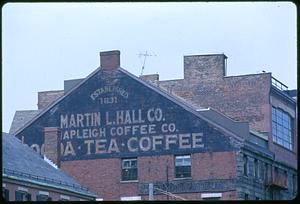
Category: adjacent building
<point>206,136</point>
<point>26,176</point>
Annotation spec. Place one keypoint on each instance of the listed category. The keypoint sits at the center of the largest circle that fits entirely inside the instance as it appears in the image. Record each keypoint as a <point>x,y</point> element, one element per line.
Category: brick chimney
<point>52,144</point>
<point>110,60</point>
<point>205,67</point>
<point>45,98</point>
<point>152,78</point>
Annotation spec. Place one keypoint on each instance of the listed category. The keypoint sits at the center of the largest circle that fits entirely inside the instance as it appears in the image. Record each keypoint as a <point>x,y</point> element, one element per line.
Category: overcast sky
<point>45,44</point>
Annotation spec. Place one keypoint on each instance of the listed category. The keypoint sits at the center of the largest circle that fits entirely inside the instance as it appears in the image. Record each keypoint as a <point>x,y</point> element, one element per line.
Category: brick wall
<point>103,176</point>
<point>204,67</point>
<point>230,195</point>
<point>208,165</point>
<point>242,98</point>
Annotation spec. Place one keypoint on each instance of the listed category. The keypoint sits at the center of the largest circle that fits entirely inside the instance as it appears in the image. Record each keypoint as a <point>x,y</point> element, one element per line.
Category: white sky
<point>45,44</point>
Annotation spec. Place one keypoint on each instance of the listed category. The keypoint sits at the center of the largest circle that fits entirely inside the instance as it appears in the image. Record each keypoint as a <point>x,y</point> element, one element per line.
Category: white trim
<point>43,193</point>
<point>129,198</point>
<point>3,185</point>
<point>64,197</point>
<point>22,189</point>
<point>130,181</point>
<point>211,195</point>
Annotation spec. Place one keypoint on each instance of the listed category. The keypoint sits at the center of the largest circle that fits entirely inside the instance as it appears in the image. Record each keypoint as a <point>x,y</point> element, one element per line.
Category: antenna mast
<point>145,55</point>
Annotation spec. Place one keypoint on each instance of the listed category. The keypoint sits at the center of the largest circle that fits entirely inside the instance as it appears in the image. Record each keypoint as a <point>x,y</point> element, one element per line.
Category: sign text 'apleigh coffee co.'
<point>123,131</point>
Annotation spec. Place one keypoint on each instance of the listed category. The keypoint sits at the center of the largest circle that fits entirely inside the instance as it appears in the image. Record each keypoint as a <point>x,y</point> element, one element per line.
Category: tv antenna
<point>145,55</point>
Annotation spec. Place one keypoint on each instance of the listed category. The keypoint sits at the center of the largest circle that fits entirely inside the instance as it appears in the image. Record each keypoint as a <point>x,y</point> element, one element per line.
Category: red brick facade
<point>103,176</point>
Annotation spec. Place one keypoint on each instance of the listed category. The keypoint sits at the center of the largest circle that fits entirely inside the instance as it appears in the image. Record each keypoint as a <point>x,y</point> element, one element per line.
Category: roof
<point>21,118</point>
<point>22,163</point>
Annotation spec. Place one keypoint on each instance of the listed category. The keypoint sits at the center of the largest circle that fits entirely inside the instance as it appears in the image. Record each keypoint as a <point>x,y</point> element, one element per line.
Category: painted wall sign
<point>124,131</point>
<point>117,116</point>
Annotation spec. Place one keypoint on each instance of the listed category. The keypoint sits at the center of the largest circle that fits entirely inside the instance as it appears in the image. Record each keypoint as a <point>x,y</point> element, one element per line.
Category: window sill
<point>130,181</point>
<point>185,178</point>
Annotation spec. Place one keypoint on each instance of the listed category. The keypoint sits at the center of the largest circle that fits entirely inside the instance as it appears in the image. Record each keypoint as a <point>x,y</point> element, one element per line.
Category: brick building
<point>206,136</point>
<point>28,177</point>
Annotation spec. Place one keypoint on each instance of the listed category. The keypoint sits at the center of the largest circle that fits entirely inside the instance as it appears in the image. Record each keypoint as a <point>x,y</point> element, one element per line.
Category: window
<point>294,184</point>
<point>282,128</point>
<point>131,198</point>
<point>266,172</point>
<point>42,197</point>
<point>129,169</point>
<point>22,196</point>
<point>64,198</point>
<point>246,196</point>
<point>245,165</point>
<point>5,194</point>
<point>211,196</point>
<point>256,168</point>
<point>183,166</point>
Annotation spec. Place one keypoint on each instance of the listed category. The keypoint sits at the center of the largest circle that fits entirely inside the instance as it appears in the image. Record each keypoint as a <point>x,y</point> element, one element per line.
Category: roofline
<point>56,102</point>
<point>191,55</point>
<point>180,103</point>
<point>154,88</point>
<point>90,194</point>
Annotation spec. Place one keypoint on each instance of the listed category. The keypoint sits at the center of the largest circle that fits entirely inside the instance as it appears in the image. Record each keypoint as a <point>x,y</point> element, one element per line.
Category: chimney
<point>205,67</point>
<point>152,78</point>
<point>52,144</point>
<point>110,60</point>
<point>45,98</point>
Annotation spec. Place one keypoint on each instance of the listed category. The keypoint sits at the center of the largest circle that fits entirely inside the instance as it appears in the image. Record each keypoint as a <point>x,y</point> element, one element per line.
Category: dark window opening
<point>41,197</point>
<point>294,184</point>
<point>5,194</point>
<point>129,169</point>
<point>22,196</point>
<point>256,168</point>
<point>246,196</point>
<point>245,165</point>
<point>63,199</point>
<point>183,166</point>
<point>212,198</point>
<point>266,172</point>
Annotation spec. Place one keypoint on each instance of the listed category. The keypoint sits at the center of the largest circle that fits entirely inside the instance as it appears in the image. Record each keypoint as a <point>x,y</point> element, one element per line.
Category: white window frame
<point>131,198</point>
<point>211,195</point>
<point>65,197</point>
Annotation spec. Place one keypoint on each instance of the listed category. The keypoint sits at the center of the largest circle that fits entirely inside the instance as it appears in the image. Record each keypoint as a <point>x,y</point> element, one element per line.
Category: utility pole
<point>167,180</point>
<point>151,197</point>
